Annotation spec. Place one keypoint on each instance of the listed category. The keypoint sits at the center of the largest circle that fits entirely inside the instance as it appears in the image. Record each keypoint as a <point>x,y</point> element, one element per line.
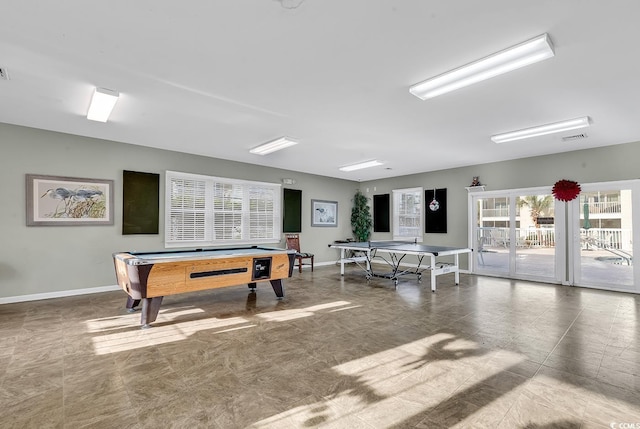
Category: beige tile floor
<point>335,353</point>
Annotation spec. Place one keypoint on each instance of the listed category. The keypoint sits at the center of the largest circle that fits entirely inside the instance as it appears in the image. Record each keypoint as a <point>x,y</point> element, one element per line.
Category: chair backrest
<point>293,242</point>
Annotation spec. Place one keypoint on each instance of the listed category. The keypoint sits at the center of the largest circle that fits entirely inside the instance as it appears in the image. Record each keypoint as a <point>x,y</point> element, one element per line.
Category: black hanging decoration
<point>436,212</point>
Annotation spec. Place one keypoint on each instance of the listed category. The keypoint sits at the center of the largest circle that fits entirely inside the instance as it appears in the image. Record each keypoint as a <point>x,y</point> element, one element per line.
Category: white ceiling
<point>217,78</point>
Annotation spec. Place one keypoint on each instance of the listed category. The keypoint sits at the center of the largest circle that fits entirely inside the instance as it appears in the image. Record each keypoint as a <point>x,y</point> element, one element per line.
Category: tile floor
<point>335,353</point>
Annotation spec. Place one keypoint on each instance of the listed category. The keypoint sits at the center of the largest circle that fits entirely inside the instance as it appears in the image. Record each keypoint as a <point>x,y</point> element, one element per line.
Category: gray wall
<point>43,260</point>
<point>49,259</point>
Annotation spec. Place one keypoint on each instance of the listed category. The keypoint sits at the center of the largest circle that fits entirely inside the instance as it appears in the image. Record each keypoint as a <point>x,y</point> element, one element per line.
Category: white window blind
<point>187,210</point>
<point>407,214</point>
<point>204,210</point>
<point>227,211</point>
<point>261,205</point>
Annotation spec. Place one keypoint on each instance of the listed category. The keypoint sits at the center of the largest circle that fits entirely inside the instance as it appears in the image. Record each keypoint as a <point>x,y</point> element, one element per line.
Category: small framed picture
<point>324,213</point>
<point>66,201</point>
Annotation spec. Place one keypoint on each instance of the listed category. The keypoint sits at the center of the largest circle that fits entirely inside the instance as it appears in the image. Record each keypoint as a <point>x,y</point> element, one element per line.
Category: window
<point>407,214</point>
<point>204,210</point>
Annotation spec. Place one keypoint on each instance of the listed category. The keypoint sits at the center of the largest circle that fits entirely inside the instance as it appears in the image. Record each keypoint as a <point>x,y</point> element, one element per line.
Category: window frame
<point>200,226</point>
<point>398,195</point>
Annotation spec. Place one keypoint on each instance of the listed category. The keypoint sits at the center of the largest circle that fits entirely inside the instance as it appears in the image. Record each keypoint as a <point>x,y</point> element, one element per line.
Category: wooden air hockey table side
<point>147,277</point>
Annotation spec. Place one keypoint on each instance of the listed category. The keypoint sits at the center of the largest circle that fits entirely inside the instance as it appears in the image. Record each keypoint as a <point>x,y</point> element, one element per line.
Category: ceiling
<point>217,78</point>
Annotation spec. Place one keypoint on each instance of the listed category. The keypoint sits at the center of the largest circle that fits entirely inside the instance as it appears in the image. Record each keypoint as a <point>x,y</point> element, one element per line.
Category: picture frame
<point>68,201</point>
<point>324,213</point>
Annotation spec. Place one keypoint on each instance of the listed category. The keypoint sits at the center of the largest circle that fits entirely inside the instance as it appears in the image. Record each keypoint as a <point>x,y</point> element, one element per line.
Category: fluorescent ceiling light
<point>102,104</point>
<point>529,52</point>
<point>273,146</point>
<point>542,130</point>
<point>360,165</point>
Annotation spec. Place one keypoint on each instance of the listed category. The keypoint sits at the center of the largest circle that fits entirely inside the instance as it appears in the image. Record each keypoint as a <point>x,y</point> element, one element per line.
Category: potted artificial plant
<point>361,219</point>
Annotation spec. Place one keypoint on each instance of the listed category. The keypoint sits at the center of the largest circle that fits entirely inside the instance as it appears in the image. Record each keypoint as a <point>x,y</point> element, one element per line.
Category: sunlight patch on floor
<point>391,386</point>
<point>125,321</point>
<point>297,313</point>
<point>345,308</point>
<point>165,330</point>
<point>161,334</point>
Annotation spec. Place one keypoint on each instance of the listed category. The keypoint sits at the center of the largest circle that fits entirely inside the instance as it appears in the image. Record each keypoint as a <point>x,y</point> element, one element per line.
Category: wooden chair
<point>293,242</point>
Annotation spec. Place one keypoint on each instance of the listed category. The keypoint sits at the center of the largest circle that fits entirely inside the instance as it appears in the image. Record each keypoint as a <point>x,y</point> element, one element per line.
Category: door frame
<point>573,234</point>
<point>560,219</point>
<point>567,231</point>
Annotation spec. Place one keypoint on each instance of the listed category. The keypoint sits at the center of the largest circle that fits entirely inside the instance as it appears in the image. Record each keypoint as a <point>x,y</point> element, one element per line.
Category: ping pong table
<point>393,252</point>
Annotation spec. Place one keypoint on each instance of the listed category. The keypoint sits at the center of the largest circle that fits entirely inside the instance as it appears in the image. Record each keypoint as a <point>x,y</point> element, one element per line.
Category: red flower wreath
<point>565,190</point>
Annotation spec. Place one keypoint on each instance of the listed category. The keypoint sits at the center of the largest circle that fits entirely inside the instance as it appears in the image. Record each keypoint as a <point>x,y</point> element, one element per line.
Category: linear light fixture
<point>102,104</point>
<point>273,146</point>
<point>529,52</point>
<point>556,127</point>
<point>360,166</point>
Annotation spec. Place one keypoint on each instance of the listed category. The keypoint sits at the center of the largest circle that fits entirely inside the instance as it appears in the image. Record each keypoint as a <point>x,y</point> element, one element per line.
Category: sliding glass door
<point>492,234</point>
<point>603,234</point>
<point>589,241</point>
<point>535,236</point>
<point>514,234</point>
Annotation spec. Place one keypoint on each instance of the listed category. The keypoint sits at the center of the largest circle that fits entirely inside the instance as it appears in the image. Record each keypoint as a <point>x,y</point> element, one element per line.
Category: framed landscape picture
<point>324,213</point>
<point>66,201</point>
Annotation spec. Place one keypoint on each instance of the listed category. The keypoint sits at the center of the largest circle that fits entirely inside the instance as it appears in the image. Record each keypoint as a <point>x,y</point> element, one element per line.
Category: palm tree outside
<point>539,206</point>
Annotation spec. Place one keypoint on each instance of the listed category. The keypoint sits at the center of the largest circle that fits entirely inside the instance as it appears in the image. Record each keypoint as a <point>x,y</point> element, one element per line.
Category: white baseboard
<point>58,294</point>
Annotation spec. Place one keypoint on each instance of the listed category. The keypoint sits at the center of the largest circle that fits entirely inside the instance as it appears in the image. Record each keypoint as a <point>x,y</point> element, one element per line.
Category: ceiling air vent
<point>4,74</point>
<point>575,137</point>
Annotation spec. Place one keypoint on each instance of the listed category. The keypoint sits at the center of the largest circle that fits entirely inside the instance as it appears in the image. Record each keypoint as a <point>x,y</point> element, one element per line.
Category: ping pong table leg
<point>457,268</point>
<point>342,254</point>
<point>433,273</point>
